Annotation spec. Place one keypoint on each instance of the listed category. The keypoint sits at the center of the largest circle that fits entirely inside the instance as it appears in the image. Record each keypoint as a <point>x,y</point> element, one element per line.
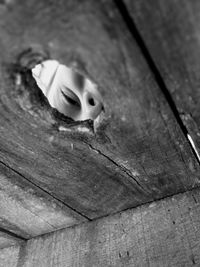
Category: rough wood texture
<point>7,240</point>
<point>137,152</point>
<point>171,32</point>
<point>164,233</point>
<point>9,257</point>
<point>28,211</point>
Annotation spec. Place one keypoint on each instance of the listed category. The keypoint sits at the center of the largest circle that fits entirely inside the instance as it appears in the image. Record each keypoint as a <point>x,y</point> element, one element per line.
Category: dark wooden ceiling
<point>56,173</point>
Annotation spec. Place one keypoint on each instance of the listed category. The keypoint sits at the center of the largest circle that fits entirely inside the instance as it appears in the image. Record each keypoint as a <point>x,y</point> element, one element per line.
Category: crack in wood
<point>125,170</point>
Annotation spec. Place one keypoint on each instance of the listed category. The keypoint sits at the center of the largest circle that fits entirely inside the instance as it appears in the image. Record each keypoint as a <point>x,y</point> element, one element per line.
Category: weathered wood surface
<point>137,152</point>
<point>9,257</point>
<point>171,32</point>
<point>163,233</point>
<point>27,210</point>
<point>7,240</point>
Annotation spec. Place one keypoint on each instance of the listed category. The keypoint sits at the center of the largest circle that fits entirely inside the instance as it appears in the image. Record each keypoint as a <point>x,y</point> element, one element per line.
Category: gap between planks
<point>157,75</point>
<point>46,192</point>
<point>11,234</point>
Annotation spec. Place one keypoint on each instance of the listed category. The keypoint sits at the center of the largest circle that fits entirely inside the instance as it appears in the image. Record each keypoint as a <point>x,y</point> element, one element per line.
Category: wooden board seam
<point>18,173</point>
<point>139,206</point>
<point>128,19</point>
<point>12,234</point>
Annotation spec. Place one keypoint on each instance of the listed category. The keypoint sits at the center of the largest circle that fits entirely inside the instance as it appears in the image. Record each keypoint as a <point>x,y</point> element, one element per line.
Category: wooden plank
<point>171,32</point>
<point>8,240</point>
<point>9,256</point>
<point>137,152</point>
<point>28,211</point>
<point>163,233</point>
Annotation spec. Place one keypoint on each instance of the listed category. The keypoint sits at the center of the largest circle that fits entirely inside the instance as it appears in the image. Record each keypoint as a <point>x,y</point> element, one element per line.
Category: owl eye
<point>70,97</point>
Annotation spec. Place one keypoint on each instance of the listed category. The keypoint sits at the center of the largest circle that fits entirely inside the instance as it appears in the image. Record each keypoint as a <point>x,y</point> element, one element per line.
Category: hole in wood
<point>68,91</point>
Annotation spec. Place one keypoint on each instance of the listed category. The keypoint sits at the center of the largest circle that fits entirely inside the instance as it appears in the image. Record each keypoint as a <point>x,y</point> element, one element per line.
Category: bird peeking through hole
<point>68,91</point>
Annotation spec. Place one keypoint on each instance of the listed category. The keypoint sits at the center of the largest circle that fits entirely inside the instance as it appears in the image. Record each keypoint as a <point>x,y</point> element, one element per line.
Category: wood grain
<point>163,233</point>
<point>171,32</point>
<point>28,211</point>
<point>7,240</point>
<point>135,154</point>
<point>9,256</point>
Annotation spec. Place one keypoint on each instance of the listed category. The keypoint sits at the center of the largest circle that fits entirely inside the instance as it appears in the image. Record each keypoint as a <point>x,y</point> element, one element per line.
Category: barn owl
<point>68,91</point>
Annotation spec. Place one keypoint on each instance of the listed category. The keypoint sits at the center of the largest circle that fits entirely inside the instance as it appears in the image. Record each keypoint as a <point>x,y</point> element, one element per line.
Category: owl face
<point>70,92</point>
